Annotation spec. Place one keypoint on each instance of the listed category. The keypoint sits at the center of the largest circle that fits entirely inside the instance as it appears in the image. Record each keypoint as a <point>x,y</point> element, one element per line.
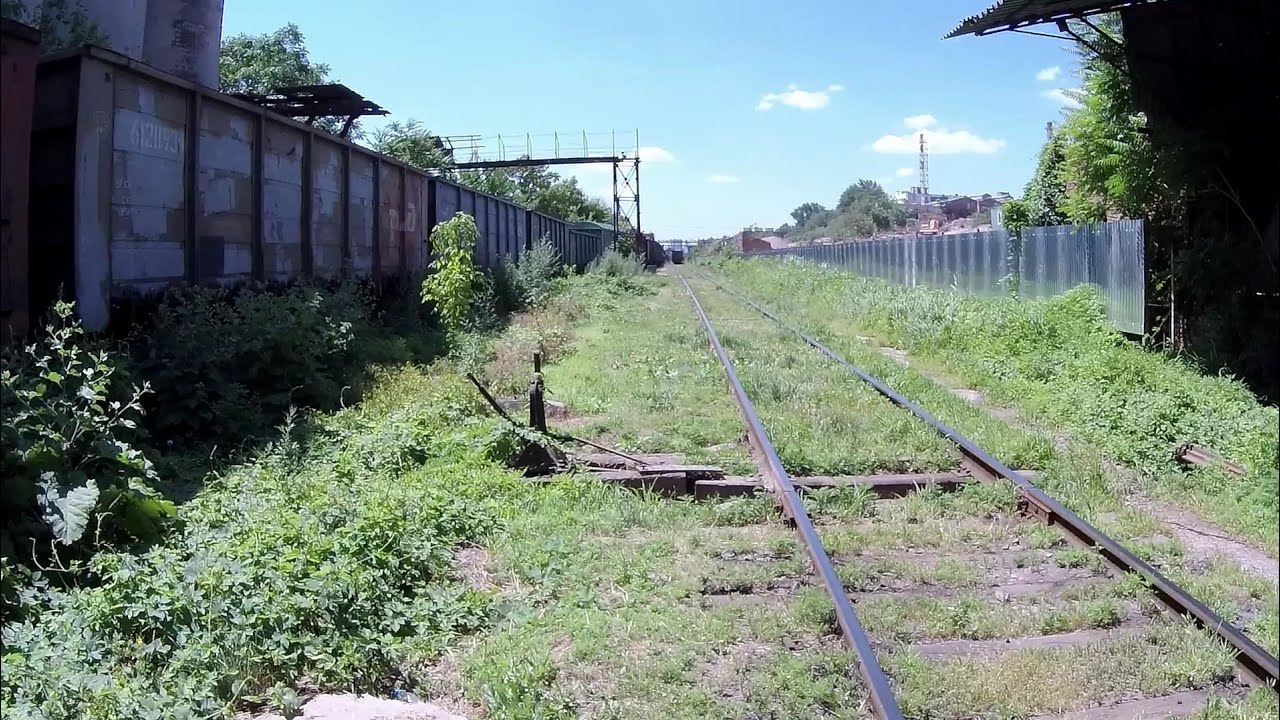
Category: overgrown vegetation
<point>1209,272</point>
<point>74,476</point>
<point>327,558</point>
<point>324,560</point>
<point>225,365</point>
<point>1059,361</point>
<point>453,282</point>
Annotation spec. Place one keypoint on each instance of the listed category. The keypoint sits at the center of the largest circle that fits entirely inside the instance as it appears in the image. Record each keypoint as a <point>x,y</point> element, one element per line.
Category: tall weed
<point>326,563</point>
<point>75,477</point>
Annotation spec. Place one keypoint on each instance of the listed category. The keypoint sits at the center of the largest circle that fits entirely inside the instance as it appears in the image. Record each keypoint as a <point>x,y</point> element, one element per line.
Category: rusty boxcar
<point>19,52</point>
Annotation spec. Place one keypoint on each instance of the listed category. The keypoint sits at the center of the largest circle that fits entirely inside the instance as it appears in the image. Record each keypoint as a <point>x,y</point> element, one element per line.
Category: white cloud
<point>655,154</point>
<point>920,122</point>
<point>797,98</point>
<point>1049,74</point>
<point>723,179</point>
<point>903,172</point>
<point>1062,97</point>
<point>941,140</point>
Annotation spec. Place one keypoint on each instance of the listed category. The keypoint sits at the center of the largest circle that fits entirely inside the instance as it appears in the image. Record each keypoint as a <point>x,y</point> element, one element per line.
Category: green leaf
<point>66,515</point>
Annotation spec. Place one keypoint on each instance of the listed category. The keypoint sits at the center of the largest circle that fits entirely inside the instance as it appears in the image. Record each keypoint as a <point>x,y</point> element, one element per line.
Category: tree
<point>411,142</point>
<point>1115,161</point>
<point>62,23</point>
<point>1044,199</point>
<point>866,192</point>
<point>261,64</point>
<point>538,188</point>
<point>807,212</point>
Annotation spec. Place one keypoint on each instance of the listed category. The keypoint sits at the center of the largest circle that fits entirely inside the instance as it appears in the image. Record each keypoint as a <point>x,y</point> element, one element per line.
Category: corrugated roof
<point>1012,14</point>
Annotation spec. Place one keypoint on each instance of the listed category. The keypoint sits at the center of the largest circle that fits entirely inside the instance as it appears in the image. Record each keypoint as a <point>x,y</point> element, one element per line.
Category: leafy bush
<point>327,564</point>
<point>225,365</point>
<point>616,264</point>
<point>536,277</point>
<point>72,469</point>
<point>454,280</point>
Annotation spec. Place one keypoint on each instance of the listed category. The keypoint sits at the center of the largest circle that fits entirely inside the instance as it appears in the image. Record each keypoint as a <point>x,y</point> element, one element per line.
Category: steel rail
<point>884,705</point>
<point>1250,656</point>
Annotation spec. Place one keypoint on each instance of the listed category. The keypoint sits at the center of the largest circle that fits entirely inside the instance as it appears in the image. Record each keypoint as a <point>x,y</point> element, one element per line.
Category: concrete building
<point>180,37</point>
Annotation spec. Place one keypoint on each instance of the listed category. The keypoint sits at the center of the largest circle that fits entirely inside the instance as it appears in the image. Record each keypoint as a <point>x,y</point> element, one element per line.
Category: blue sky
<point>745,109</point>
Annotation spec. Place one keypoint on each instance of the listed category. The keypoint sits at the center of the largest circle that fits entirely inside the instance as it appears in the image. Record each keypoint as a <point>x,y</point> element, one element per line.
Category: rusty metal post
<point>617,203</point>
<point>537,405</point>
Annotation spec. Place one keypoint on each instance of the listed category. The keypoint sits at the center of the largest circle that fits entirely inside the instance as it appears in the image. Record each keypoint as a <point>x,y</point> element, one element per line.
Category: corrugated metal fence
<point>1048,261</point>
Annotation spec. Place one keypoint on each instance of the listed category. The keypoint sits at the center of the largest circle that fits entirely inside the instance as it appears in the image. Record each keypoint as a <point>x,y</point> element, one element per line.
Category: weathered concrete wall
<point>390,225</point>
<point>326,209</point>
<point>147,173</point>
<point>163,182</point>
<point>224,229</point>
<point>503,226</point>
<point>282,193</point>
<point>361,205</point>
<point>183,37</point>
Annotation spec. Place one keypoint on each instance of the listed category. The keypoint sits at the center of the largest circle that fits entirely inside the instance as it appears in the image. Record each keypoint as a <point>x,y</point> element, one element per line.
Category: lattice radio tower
<point>924,169</point>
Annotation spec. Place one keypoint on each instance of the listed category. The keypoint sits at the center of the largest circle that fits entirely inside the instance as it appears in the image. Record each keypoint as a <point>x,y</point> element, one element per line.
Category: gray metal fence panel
<point>1049,262</point>
<point>1109,256</point>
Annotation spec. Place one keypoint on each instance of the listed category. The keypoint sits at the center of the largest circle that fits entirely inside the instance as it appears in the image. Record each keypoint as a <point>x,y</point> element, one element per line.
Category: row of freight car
<point>138,179</point>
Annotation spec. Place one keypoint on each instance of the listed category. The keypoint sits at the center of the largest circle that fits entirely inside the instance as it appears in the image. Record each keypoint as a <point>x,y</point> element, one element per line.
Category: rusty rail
<point>884,705</point>
<point>1250,656</point>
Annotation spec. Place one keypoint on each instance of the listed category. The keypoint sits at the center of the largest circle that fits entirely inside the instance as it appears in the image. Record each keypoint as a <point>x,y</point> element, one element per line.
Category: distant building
<point>963,206</point>
<point>916,197</point>
<point>756,239</point>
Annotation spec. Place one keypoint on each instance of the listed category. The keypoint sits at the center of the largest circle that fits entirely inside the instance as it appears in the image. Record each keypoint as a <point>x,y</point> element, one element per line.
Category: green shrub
<point>74,476</point>
<point>327,563</point>
<point>454,281</point>
<point>616,264</point>
<point>537,276</point>
<point>225,365</point>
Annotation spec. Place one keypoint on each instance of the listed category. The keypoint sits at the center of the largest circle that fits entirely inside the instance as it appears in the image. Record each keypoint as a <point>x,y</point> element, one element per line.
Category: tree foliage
<point>62,23</point>
<point>260,64</point>
<point>411,142</point>
<point>1115,163</point>
<point>1044,199</point>
<point>538,188</point>
<point>864,208</point>
<point>454,279</point>
<point>808,212</point>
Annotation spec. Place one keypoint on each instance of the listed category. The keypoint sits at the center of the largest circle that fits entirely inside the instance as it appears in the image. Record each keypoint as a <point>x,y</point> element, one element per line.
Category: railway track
<point>1014,590</point>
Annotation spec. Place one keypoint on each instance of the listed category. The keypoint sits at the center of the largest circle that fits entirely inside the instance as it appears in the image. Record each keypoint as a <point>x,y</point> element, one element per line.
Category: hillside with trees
<point>863,209</point>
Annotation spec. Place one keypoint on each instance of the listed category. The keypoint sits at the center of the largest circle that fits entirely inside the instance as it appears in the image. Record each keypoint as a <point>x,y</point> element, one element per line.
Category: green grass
<point>813,410</point>
<point>1031,682</point>
<point>641,375</point>
<point>1075,475</point>
<point>1058,362</point>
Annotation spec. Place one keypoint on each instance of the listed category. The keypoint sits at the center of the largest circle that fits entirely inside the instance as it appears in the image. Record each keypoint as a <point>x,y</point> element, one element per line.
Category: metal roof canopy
<point>317,101</point>
<point>1014,14</point>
